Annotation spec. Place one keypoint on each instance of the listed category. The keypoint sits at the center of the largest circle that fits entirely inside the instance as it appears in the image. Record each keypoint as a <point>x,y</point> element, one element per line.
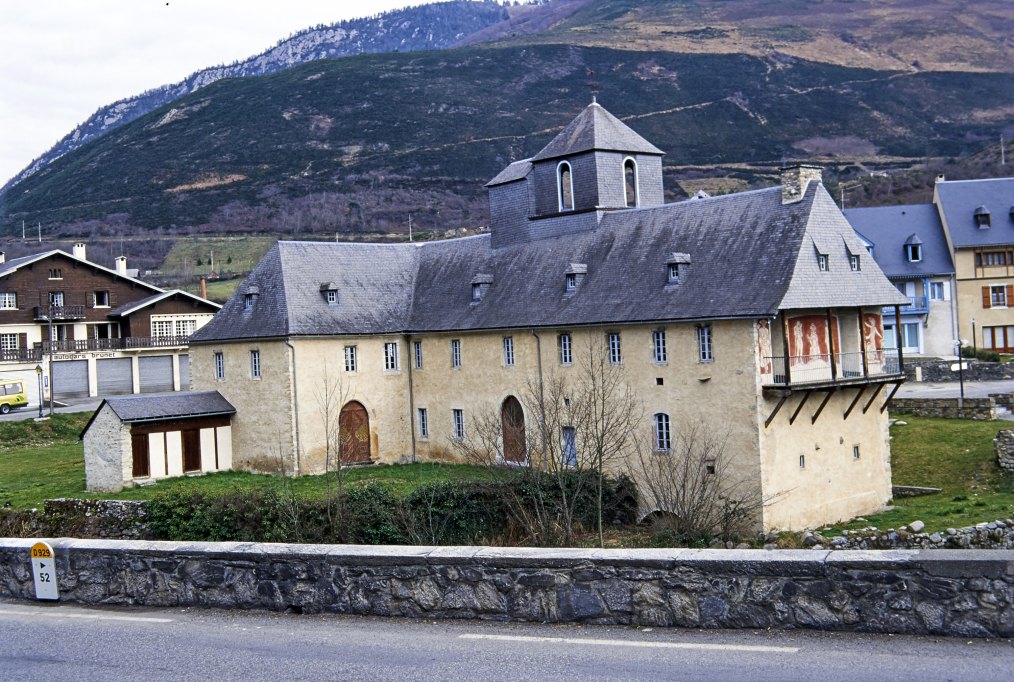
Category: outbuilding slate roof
<point>750,256</point>
<point>595,128</point>
<point>152,407</point>
<point>889,228</point>
<point>958,201</point>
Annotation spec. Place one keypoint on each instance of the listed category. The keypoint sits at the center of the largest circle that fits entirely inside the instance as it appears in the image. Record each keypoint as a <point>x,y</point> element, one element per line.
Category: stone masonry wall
<point>934,371</point>
<point>1004,445</point>
<point>959,593</point>
<point>974,408</point>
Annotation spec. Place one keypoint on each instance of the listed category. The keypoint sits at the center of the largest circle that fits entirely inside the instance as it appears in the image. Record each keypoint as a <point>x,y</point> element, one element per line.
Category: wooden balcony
<point>21,355</point>
<point>126,343</point>
<point>46,313</point>
<point>842,369</point>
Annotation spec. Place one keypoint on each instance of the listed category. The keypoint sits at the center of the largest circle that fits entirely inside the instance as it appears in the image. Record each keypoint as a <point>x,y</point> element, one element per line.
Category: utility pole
<point>1003,160</point>
<point>410,227</point>
<point>40,232</point>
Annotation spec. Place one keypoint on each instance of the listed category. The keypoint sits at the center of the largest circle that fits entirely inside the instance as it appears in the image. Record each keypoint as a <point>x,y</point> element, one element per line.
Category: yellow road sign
<point>44,571</point>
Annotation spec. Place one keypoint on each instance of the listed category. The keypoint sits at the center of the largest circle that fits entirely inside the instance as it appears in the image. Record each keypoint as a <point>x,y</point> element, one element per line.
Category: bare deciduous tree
<point>692,486</point>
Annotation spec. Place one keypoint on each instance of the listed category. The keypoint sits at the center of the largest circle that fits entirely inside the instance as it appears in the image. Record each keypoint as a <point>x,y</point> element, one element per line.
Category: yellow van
<point>12,394</point>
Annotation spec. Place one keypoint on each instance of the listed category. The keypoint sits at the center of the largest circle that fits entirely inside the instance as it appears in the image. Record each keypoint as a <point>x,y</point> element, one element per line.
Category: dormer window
<point>480,284</point>
<point>249,298</point>
<point>822,262</point>
<point>854,262</point>
<point>572,278</point>
<point>630,197</point>
<point>329,290</point>
<point>982,218</point>
<point>565,186</point>
<point>913,252</point>
<point>675,265</point>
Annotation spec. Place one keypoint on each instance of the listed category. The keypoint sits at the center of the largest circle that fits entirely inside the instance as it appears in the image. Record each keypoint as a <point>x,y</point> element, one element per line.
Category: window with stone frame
<point>391,356</point>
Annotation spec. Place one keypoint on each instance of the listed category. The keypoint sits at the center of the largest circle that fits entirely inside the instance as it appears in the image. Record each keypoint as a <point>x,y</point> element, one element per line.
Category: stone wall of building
<point>972,408</point>
<point>1004,445</point>
<point>961,593</point>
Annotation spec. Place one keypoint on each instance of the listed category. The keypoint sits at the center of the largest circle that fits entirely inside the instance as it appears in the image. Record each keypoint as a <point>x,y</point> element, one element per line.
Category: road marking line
<point>85,616</point>
<point>646,645</point>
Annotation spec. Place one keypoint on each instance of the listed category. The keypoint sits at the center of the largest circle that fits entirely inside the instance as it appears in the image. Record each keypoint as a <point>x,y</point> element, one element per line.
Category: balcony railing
<point>126,343</point>
<point>848,367</point>
<point>45,313</point>
<point>21,355</point>
<point>916,305</point>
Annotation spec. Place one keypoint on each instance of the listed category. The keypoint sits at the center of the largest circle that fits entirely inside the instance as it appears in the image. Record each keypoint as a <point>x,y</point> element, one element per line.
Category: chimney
<point>795,179</point>
<point>941,178</point>
<point>121,265</point>
<point>204,286</point>
<point>79,251</point>
<point>3,257</point>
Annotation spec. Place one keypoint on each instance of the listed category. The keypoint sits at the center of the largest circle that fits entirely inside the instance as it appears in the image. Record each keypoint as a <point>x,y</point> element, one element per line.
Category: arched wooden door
<point>354,432</point>
<point>512,419</point>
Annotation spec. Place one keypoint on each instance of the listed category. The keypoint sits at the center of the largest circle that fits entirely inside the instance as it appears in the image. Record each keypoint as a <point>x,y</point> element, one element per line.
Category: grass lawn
<point>43,460</point>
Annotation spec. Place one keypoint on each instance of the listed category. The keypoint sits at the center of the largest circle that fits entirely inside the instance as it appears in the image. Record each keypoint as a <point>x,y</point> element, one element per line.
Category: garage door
<point>70,379</point>
<point>184,372</point>
<point>30,381</point>
<point>156,373</point>
<point>115,376</point>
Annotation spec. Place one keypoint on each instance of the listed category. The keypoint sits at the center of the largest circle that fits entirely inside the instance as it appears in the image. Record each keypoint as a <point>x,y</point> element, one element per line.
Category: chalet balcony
<point>21,355</point>
<point>45,313</point>
<point>846,369</point>
<point>917,305</point>
<point>126,343</point>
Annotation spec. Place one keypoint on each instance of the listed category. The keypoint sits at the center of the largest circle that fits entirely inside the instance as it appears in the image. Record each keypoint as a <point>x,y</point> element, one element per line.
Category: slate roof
<point>750,257</point>
<point>165,406</point>
<point>958,201</point>
<point>596,128</point>
<point>374,281</point>
<point>889,228</point>
<point>134,306</point>
<point>518,170</point>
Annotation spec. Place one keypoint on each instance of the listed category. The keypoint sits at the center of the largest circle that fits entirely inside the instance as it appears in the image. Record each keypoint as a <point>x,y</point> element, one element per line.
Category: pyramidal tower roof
<point>596,128</point>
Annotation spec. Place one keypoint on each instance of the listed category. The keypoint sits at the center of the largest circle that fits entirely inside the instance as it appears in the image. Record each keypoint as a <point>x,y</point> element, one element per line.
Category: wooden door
<point>354,434</point>
<point>512,419</point>
<point>139,450</point>
<point>191,450</point>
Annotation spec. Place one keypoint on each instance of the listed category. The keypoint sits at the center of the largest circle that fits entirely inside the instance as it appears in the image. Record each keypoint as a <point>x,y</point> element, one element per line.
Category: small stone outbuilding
<point>138,438</point>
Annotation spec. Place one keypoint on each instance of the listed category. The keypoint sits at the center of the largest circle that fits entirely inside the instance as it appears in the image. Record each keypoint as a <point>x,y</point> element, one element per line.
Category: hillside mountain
<point>427,27</point>
<point>360,144</point>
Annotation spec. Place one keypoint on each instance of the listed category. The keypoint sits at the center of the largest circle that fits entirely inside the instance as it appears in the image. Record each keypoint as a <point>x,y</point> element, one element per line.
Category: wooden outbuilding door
<point>191,450</point>
<point>354,433</point>
<point>512,419</point>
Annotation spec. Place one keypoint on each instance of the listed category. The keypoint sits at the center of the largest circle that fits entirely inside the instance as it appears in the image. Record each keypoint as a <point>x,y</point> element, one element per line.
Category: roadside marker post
<point>44,571</point>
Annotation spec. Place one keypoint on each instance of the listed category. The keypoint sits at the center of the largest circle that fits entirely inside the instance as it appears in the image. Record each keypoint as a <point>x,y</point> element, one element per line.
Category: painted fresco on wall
<point>873,331</point>
<point>808,339</point>
<point>764,346</point>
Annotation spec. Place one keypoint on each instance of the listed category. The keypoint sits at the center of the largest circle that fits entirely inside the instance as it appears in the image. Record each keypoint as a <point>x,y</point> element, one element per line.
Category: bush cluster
<point>444,513</point>
<point>982,354</point>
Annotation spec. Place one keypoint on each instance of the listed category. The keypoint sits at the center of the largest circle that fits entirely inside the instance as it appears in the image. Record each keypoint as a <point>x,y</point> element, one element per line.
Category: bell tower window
<point>630,198</point>
<point>565,186</point>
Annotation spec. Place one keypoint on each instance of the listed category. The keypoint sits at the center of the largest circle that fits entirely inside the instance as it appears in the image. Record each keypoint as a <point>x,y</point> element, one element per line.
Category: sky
<point>61,60</point>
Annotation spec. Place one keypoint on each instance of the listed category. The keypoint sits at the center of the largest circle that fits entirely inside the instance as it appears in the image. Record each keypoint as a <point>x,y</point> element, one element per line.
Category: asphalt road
<point>63,642</point>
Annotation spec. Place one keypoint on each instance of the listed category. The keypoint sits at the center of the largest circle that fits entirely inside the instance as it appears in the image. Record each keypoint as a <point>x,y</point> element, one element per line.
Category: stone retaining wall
<point>960,593</point>
<point>997,534</point>
<point>1004,446</point>
<point>940,370</point>
<point>974,408</point>
<point>113,519</point>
